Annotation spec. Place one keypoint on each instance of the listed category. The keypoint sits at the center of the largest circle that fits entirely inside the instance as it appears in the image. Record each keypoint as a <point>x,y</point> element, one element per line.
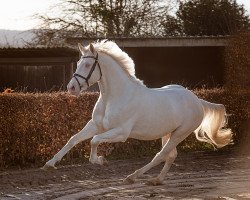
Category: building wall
<point>31,78</point>
<point>157,66</point>
<point>189,66</point>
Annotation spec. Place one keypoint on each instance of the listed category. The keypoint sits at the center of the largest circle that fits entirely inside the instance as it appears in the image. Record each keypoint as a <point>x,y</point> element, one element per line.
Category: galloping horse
<point>126,108</point>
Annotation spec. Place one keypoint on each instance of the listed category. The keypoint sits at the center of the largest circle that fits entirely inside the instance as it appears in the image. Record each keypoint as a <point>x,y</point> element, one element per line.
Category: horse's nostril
<point>73,88</point>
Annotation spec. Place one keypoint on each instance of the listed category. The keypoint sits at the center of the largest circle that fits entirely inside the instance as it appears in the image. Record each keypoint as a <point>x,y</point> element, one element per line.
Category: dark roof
<point>38,52</point>
<point>175,41</point>
<point>167,37</point>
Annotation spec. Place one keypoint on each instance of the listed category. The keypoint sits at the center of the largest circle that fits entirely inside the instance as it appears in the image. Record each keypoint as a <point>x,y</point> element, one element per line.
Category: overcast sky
<point>16,14</point>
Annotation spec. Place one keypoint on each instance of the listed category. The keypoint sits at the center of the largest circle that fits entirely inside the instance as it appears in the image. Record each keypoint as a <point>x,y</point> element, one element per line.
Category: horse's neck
<point>115,83</point>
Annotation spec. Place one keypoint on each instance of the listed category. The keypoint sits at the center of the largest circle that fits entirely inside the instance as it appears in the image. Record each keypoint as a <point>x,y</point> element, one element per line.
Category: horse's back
<point>162,110</point>
<point>173,86</point>
<point>177,96</point>
<point>172,92</point>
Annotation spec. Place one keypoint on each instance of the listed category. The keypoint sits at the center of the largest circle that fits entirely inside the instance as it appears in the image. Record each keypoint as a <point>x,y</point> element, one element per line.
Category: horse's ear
<point>81,48</point>
<point>92,49</point>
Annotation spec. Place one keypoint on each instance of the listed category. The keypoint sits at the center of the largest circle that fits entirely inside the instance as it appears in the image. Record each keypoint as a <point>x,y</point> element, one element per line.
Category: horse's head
<point>88,70</point>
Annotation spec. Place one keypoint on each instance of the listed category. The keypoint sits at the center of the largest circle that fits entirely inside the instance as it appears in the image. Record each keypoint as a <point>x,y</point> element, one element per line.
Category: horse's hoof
<point>129,180</point>
<point>154,182</point>
<point>48,167</point>
<point>103,161</point>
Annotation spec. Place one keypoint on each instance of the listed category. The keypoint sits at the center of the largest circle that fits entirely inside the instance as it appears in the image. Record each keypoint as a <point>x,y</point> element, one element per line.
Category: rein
<point>75,75</point>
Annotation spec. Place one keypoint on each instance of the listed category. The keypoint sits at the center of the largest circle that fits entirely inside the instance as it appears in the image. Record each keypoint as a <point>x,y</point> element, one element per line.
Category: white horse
<point>128,109</point>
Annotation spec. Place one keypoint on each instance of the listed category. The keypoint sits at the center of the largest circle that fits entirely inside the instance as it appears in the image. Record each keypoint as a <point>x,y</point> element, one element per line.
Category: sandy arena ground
<point>193,176</point>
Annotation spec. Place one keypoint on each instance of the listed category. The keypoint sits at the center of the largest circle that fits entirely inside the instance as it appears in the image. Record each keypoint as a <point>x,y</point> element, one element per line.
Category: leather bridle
<point>75,75</point>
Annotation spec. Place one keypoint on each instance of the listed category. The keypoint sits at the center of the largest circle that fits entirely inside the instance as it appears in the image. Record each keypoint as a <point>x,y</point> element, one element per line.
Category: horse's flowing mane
<point>110,48</point>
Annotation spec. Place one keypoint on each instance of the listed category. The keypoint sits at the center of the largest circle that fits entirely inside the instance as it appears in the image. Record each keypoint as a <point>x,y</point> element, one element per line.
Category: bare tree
<point>103,18</point>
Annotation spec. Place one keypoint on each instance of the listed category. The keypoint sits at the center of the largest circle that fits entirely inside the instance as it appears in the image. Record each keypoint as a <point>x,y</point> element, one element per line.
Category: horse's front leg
<point>87,132</point>
<point>114,135</point>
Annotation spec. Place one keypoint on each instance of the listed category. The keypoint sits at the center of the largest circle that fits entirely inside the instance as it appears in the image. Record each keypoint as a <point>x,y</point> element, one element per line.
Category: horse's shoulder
<point>99,108</point>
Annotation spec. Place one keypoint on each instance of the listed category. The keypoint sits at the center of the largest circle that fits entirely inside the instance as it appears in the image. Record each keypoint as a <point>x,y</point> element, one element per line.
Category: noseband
<point>75,75</point>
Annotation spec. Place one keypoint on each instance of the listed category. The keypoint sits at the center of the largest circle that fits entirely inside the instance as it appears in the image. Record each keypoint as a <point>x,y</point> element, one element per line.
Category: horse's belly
<point>151,131</point>
<point>146,135</point>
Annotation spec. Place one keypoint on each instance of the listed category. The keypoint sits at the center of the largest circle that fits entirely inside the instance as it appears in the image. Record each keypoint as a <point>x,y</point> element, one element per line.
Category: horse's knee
<point>94,141</point>
<point>73,141</point>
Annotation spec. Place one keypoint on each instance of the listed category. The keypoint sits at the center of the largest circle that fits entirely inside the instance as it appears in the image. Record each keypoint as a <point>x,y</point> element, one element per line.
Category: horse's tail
<point>211,129</point>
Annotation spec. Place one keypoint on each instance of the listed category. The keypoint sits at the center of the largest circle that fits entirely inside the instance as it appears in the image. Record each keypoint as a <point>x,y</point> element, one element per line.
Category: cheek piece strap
<point>75,75</point>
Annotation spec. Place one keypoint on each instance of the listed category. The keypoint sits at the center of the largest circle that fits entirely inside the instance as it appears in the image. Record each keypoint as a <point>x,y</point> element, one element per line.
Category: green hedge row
<point>33,127</point>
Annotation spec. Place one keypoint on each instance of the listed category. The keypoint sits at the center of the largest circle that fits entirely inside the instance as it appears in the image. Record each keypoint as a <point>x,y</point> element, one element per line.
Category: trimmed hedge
<point>33,127</point>
<point>237,61</point>
<point>238,110</point>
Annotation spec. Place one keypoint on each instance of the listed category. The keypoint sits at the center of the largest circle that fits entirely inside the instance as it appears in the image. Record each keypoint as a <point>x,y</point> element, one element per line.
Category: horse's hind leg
<point>131,178</point>
<point>165,139</point>
<point>168,149</point>
<point>168,162</point>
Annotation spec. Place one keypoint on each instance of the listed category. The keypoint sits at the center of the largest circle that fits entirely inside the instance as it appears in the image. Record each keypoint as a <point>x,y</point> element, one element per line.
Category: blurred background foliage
<point>143,18</point>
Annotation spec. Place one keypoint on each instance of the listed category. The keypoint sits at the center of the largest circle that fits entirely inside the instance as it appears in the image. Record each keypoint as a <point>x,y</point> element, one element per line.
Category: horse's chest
<point>111,119</point>
<point>98,119</point>
<point>111,116</point>
<point>105,122</point>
